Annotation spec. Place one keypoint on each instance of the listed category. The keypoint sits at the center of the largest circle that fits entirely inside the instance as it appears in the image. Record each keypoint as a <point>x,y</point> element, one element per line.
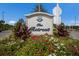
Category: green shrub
<point>9,46</point>
<point>66,46</point>
<point>37,47</point>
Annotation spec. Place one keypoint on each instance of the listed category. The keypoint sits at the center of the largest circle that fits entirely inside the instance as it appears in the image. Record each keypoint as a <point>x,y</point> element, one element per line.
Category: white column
<point>57,14</point>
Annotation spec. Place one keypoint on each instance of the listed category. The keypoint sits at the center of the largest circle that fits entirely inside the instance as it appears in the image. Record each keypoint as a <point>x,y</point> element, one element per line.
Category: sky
<point>14,11</point>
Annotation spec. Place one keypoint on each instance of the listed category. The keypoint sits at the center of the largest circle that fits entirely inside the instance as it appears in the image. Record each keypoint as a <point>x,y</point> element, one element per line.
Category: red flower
<point>45,40</point>
<point>34,37</point>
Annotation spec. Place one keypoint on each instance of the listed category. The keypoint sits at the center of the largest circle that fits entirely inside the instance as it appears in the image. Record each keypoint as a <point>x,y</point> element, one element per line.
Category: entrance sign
<point>40,23</point>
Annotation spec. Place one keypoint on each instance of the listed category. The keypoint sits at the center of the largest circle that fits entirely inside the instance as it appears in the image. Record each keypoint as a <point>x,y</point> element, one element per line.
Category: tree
<point>4,26</point>
<point>2,21</point>
<point>39,8</point>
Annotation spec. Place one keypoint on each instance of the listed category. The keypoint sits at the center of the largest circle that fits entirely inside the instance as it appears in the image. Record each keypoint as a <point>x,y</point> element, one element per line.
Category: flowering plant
<point>35,37</point>
<point>21,31</point>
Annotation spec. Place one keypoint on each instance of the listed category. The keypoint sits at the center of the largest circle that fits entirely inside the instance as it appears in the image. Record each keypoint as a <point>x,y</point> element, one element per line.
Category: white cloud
<point>72,22</point>
<point>12,22</point>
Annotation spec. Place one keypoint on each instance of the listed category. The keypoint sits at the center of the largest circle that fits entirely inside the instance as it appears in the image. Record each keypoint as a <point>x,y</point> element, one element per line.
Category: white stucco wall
<point>47,23</point>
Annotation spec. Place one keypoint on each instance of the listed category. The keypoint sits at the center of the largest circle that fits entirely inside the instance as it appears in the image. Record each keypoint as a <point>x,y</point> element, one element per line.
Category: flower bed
<point>43,45</point>
<point>36,47</point>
